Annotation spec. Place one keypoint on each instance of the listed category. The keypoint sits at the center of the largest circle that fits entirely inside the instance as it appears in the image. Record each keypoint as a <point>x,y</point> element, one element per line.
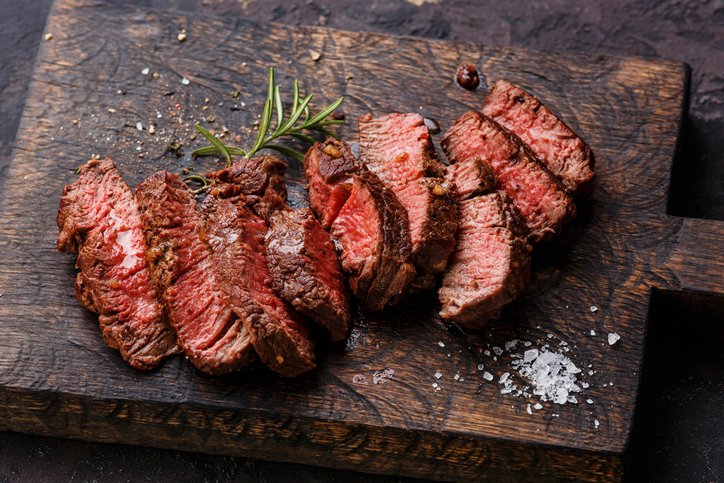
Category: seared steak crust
<point>183,271</point>
<point>99,219</point>
<point>260,179</point>
<point>544,205</point>
<point>471,177</point>
<point>560,149</point>
<point>306,272</point>
<point>490,266</point>
<point>398,149</point>
<point>236,235</point>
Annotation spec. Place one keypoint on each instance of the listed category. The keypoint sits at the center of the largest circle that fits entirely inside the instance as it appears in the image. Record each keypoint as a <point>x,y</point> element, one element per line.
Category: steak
<point>372,232</point>
<point>398,149</point>
<point>490,266</point>
<point>329,168</point>
<point>182,269</point>
<point>99,219</point>
<point>367,222</point>
<point>544,205</point>
<point>259,179</point>
<point>236,235</point>
<point>560,149</point>
<point>306,272</point>
<point>470,177</point>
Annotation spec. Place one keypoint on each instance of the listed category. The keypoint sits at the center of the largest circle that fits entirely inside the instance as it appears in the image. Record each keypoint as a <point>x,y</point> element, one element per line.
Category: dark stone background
<point>679,428</point>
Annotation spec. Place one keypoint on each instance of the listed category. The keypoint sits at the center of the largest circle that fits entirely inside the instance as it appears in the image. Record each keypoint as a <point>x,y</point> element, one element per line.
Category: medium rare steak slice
<point>491,263</point>
<point>398,149</point>
<point>471,177</point>
<point>544,205</point>
<point>236,235</point>
<point>99,219</point>
<point>306,272</point>
<point>371,231</point>
<point>182,269</point>
<point>260,179</point>
<point>560,149</point>
<point>329,167</point>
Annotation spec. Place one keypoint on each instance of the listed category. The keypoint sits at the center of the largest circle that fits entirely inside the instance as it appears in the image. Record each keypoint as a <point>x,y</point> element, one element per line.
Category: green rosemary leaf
<point>321,115</point>
<point>205,183</point>
<point>285,150</point>
<point>303,137</point>
<point>295,95</point>
<point>280,109</point>
<point>263,127</point>
<point>216,142</point>
<point>294,117</point>
<point>213,150</point>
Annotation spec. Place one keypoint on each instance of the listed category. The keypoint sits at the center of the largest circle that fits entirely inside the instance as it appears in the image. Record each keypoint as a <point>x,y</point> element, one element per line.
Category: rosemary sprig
<point>294,125</point>
<point>205,183</point>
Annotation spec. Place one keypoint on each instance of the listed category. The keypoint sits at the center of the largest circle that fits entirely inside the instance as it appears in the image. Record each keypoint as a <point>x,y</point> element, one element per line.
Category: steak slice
<point>329,168</point>
<point>260,179</point>
<point>306,272</point>
<point>236,235</point>
<point>183,271</point>
<point>544,205</point>
<point>471,177</point>
<point>560,149</point>
<point>99,219</point>
<point>372,233</point>
<point>398,149</point>
<point>490,266</point>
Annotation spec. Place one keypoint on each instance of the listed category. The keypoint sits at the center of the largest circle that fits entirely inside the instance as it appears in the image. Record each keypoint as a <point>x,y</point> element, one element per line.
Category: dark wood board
<point>57,378</point>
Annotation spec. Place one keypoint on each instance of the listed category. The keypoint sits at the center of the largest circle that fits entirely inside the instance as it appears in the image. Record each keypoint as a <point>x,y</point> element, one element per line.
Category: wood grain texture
<point>57,378</point>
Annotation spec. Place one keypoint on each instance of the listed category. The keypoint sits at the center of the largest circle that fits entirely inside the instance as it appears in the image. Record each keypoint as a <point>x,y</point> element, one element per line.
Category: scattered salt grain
<point>594,309</point>
<point>480,367</point>
<point>435,385</point>
<point>487,353</point>
<point>589,401</point>
<point>510,344</point>
<point>528,409</point>
<point>145,71</point>
<point>613,337</point>
<point>593,332</point>
<point>438,375</point>
<point>550,336</point>
<point>527,343</point>
<point>530,355</point>
<point>498,351</point>
<point>504,377</point>
<point>185,81</point>
<point>596,423</point>
<point>538,406</point>
<point>456,377</point>
<point>383,377</point>
<point>441,344</point>
<point>487,376</point>
<point>139,126</point>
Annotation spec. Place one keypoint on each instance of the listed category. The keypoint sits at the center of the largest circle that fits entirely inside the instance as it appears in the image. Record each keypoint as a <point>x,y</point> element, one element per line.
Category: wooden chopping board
<point>89,93</point>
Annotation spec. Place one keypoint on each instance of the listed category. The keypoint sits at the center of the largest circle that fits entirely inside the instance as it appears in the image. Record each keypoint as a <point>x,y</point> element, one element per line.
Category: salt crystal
<point>441,344</point>
<point>434,384</point>
<point>487,376</point>
<point>613,337</point>
<point>593,332</point>
<point>456,377</point>
<point>510,344</point>
<point>594,309</point>
<point>498,351</point>
<point>589,401</point>
<point>550,336</point>
<point>528,409</point>
<point>139,126</point>
<point>185,81</point>
<point>504,377</point>
<point>145,71</point>
<point>438,375</point>
<point>538,406</point>
<point>530,355</point>
<point>596,423</point>
<point>480,367</point>
<point>527,343</point>
<point>584,385</point>
<point>487,353</point>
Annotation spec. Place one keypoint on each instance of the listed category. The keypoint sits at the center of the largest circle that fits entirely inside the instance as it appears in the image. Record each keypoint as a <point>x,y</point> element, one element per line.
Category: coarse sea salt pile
<point>551,376</point>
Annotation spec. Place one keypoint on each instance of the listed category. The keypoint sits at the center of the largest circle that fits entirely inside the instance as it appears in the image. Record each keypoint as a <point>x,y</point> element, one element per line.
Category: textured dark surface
<point>680,433</point>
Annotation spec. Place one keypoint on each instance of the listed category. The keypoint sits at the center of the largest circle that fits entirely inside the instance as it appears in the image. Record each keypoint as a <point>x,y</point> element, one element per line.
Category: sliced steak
<point>398,149</point>
<point>305,270</point>
<point>491,263</point>
<point>560,149</point>
<point>329,168</point>
<point>260,179</point>
<point>470,177</point>
<point>544,205</point>
<point>99,219</point>
<point>182,269</point>
<point>236,235</point>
